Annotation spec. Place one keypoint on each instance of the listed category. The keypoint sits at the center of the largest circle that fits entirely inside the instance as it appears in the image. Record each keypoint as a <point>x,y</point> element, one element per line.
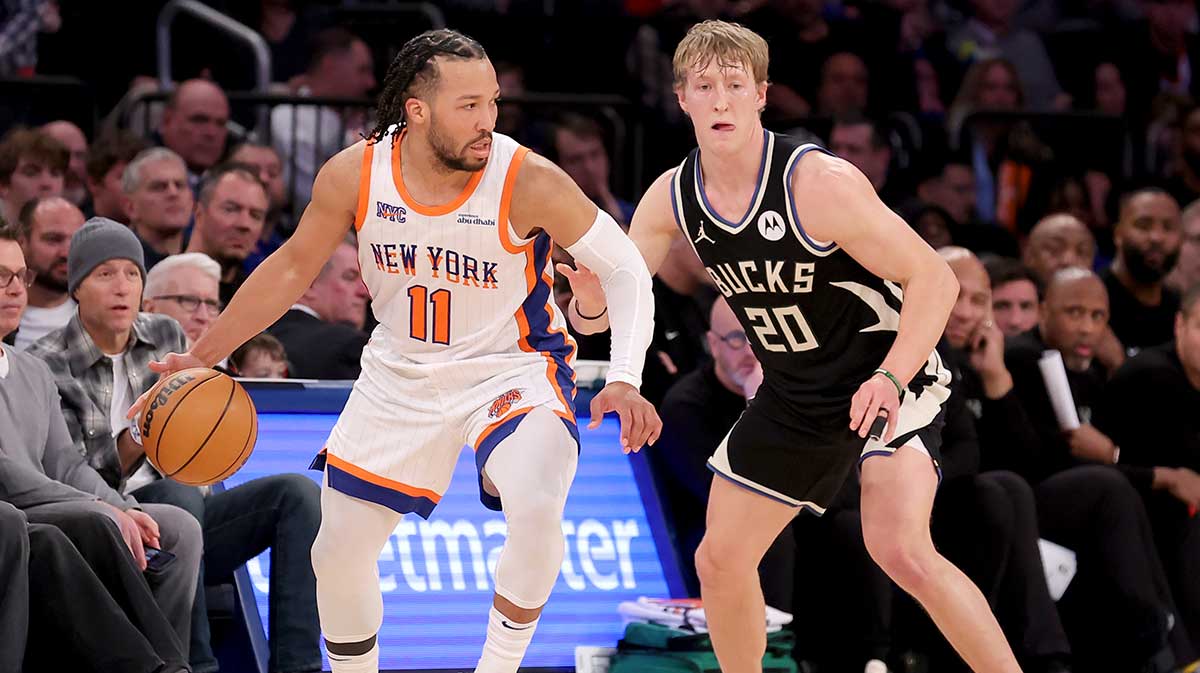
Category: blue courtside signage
<point>437,575</point>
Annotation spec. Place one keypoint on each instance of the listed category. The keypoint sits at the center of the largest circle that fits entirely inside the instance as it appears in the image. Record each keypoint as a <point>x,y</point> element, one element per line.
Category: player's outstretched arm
<point>653,230</point>
<point>545,197</point>
<point>835,201</point>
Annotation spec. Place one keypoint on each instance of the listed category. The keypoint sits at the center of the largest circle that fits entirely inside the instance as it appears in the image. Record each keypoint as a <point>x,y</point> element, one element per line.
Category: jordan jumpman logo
<point>703,236</point>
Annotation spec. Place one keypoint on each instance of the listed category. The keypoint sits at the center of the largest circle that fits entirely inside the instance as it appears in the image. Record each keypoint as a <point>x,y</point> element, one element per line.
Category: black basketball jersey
<point>818,321</point>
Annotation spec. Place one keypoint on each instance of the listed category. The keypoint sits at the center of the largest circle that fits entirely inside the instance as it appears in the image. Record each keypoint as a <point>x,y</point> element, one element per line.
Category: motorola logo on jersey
<point>389,212</point>
<point>770,225</point>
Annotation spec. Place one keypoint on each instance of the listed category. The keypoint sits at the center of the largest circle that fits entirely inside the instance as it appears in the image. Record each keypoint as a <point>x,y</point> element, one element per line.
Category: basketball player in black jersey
<point>816,268</point>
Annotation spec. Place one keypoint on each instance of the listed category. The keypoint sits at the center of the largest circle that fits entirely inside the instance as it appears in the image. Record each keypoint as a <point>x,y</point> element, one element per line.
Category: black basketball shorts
<point>803,460</point>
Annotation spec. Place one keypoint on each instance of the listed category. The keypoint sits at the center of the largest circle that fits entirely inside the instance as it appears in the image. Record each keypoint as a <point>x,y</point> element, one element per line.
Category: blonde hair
<point>731,45</point>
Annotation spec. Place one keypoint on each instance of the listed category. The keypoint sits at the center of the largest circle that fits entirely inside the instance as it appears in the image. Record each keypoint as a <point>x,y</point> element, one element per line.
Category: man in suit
<point>322,333</point>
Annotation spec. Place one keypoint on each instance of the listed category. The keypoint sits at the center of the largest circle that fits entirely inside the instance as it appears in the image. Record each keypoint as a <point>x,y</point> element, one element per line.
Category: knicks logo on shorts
<point>389,212</point>
<point>501,405</point>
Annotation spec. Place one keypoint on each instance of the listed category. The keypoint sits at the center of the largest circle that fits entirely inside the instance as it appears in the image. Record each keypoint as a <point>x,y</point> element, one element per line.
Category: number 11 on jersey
<point>439,301</point>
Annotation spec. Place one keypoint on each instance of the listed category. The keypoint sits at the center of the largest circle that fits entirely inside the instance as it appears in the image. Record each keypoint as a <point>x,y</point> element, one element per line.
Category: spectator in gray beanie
<point>100,240</point>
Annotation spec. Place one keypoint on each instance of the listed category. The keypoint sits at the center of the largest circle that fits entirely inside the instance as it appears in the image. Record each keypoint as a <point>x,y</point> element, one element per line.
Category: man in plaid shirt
<point>100,362</point>
<point>82,393</point>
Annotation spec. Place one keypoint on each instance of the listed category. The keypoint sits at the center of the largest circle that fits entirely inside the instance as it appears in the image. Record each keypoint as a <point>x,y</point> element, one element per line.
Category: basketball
<point>198,427</point>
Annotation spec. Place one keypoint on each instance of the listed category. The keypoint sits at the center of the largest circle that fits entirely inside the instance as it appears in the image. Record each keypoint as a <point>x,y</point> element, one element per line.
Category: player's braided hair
<point>412,72</point>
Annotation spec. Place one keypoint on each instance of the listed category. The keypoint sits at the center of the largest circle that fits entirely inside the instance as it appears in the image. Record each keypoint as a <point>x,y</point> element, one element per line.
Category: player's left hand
<point>876,395</point>
<point>640,424</point>
<point>585,286</point>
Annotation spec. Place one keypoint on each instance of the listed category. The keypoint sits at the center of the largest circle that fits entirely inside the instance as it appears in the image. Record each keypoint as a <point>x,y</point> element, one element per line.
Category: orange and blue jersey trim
<point>497,432</point>
<point>535,316</point>
<point>539,335</point>
<point>364,186</point>
<point>356,482</point>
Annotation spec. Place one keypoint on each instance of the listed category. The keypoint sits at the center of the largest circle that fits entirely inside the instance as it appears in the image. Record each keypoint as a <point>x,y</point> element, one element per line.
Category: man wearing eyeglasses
<point>185,287</point>
<point>697,413</point>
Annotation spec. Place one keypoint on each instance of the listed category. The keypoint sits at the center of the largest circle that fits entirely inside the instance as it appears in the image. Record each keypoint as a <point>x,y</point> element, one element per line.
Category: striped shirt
<point>84,376</point>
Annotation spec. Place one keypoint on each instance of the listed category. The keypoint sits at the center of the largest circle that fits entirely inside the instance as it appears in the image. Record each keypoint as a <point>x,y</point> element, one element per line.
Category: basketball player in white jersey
<point>454,225</point>
<point>843,304</point>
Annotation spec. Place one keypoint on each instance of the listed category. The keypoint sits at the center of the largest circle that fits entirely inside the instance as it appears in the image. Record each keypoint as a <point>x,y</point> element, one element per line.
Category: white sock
<point>359,663</point>
<point>506,644</point>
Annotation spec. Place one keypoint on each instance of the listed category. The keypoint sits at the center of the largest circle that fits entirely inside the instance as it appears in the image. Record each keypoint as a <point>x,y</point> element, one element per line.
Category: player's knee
<point>334,551</point>
<point>908,561</point>
<point>715,562</point>
<point>535,511</point>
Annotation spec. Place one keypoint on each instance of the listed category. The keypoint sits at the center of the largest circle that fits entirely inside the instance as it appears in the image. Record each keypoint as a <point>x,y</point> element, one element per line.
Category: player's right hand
<point>640,423</point>
<point>877,396</point>
<point>170,364</point>
<point>585,286</point>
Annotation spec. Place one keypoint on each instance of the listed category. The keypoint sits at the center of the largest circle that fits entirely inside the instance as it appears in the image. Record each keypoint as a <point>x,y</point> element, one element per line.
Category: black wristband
<point>589,317</point>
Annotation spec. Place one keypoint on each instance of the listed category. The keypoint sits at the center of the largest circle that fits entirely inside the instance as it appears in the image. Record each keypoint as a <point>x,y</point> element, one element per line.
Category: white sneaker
<point>876,666</point>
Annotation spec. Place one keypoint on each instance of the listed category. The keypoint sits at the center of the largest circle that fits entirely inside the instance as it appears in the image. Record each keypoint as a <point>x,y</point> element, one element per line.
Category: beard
<point>446,155</point>
<point>45,279</point>
<point>1145,272</point>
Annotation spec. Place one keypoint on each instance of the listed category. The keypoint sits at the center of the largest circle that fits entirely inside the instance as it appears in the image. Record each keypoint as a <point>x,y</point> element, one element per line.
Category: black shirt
<point>151,255</point>
<point>680,322</point>
<point>697,412</point>
<point>960,442</point>
<point>228,289</point>
<point>1087,389</point>
<point>1139,326</point>
<point>1007,440</point>
<point>1153,412</point>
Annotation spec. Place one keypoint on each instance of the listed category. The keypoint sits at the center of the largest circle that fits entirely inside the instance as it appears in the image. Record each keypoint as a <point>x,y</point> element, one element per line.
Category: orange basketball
<point>198,426</point>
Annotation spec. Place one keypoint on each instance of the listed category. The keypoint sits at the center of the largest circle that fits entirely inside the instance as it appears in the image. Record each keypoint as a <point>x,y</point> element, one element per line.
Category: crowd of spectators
<point>1049,149</point>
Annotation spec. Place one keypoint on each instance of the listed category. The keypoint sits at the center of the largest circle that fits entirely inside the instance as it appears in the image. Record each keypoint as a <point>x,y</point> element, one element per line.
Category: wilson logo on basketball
<point>161,399</point>
<point>502,404</point>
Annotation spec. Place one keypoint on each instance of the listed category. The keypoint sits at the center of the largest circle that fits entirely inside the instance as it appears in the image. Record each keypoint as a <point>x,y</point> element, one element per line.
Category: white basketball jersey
<point>452,282</point>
